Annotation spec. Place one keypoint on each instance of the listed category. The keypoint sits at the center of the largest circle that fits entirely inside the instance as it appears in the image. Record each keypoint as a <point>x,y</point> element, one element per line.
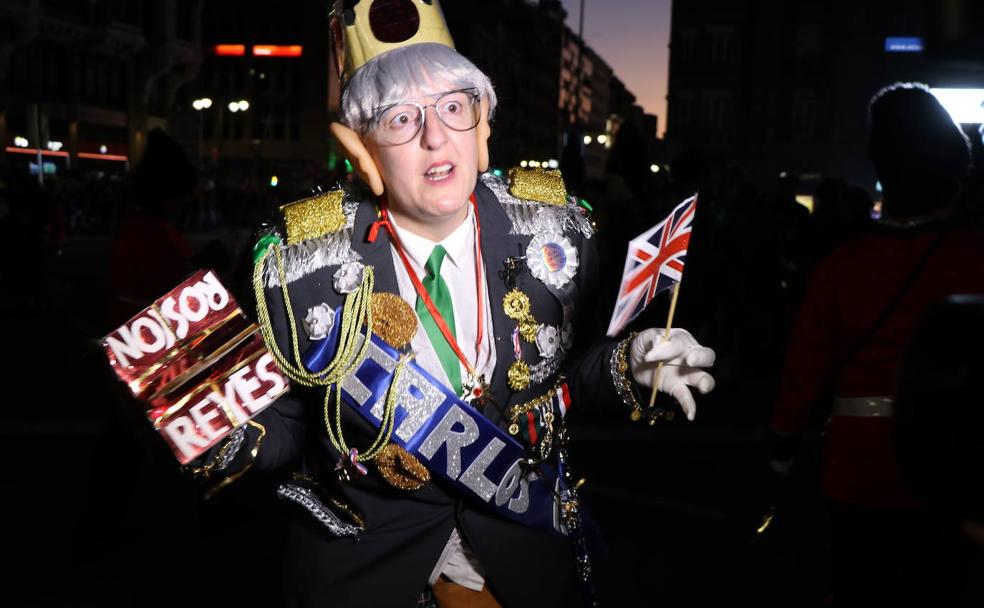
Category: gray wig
<point>391,77</point>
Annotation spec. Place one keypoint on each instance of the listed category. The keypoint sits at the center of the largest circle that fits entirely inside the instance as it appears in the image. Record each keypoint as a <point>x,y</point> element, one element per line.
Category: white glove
<point>683,359</point>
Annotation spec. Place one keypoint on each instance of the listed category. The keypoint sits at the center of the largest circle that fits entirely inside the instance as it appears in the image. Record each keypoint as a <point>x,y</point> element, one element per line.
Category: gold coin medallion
<point>518,375</point>
<point>516,304</point>
<point>528,328</point>
<point>393,319</point>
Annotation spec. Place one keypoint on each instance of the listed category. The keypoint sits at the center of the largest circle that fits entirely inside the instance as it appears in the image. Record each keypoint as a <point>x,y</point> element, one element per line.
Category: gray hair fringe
<point>391,77</point>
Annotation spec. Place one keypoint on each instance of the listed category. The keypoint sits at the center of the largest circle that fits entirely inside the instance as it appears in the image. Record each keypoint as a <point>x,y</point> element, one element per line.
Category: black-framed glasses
<point>399,123</point>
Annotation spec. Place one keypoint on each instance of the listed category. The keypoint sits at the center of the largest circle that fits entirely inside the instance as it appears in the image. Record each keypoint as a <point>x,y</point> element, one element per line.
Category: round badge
<point>552,259</point>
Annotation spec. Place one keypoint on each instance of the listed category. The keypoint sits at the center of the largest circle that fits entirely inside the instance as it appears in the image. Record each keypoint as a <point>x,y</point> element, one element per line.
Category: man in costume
<point>431,457</point>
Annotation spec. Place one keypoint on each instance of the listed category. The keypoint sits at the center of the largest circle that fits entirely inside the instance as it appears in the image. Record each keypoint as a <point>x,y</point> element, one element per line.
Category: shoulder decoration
<point>319,234</point>
<point>538,185</point>
<point>534,215</point>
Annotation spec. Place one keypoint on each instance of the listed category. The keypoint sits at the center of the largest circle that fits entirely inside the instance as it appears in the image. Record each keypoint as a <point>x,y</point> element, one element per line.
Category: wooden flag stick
<point>666,337</point>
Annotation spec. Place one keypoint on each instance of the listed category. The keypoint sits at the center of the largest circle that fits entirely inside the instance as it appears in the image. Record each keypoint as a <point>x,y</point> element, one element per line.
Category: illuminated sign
<point>896,44</point>
<point>964,105</point>
<point>230,50</point>
<point>273,50</point>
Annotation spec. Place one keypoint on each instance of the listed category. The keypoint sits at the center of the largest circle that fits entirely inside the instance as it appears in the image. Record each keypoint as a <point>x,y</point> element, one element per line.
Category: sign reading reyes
<point>198,364</point>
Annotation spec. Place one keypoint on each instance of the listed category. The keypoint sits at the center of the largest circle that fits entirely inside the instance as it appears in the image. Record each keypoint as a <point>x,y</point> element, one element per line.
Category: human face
<point>429,179</point>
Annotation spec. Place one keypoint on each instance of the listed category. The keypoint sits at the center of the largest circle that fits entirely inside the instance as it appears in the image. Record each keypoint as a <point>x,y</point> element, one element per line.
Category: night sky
<point>633,37</point>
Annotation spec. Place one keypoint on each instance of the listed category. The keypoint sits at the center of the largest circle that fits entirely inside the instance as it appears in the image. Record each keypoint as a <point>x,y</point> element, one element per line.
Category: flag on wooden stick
<point>653,264</point>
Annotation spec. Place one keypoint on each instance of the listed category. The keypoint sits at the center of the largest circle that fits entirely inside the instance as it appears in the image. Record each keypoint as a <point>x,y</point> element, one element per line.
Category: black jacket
<point>388,564</point>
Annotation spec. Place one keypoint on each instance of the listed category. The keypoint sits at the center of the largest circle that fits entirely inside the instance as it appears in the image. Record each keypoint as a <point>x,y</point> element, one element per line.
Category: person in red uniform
<point>857,316</point>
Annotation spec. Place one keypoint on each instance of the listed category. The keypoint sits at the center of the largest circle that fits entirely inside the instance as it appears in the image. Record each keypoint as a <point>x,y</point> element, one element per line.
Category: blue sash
<point>449,436</point>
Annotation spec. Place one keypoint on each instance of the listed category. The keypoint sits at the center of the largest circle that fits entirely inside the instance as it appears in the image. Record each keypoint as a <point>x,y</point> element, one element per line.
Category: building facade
<point>83,82</point>
<point>778,86</point>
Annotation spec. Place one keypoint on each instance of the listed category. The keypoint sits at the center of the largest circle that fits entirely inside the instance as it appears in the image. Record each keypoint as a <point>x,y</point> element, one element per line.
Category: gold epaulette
<point>318,233</point>
<point>536,201</point>
<point>314,217</point>
<point>541,185</point>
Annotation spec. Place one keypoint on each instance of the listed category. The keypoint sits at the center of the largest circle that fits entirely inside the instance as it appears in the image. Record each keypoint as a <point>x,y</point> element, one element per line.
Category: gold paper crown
<point>363,29</point>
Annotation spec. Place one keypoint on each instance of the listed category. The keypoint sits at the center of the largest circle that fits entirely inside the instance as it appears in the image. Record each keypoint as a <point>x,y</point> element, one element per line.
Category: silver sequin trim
<point>530,217</point>
<point>546,368</point>
<point>301,259</point>
<point>230,449</point>
<point>310,501</point>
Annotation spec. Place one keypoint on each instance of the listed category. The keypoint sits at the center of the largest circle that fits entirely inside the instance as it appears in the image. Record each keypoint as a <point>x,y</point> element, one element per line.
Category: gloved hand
<point>683,362</point>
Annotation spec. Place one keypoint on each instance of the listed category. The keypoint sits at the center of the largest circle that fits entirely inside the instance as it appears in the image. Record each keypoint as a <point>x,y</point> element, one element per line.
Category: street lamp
<point>202,103</point>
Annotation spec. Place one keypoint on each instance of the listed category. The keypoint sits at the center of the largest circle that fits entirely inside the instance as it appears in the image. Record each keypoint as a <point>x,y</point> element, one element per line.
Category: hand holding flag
<point>654,263</point>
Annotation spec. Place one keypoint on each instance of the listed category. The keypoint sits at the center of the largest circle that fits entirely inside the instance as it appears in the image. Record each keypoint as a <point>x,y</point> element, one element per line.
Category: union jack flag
<point>654,263</point>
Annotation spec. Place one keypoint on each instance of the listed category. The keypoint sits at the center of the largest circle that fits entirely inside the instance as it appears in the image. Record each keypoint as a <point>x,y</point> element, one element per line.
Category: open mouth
<point>439,172</point>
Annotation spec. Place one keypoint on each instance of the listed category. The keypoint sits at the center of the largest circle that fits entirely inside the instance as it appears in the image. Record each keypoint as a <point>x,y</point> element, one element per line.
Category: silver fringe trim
<point>310,502</point>
<point>302,259</point>
<point>531,217</point>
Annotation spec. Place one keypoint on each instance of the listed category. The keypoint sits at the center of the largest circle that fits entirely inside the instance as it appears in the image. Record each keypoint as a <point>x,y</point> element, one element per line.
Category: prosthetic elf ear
<point>483,131</point>
<point>355,150</point>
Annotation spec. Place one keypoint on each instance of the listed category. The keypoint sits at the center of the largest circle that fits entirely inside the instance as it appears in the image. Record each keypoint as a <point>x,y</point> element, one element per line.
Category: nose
<point>434,133</point>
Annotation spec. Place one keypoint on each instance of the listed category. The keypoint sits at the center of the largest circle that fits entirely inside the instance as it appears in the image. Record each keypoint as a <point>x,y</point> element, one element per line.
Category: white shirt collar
<point>458,244</point>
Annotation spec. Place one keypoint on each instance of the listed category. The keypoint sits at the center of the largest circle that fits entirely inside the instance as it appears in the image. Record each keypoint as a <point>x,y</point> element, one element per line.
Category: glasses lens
<point>399,124</point>
<point>458,110</point>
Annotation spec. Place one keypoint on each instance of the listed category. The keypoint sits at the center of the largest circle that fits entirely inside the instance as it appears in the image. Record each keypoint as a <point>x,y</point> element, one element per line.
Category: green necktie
<point>440,295</point>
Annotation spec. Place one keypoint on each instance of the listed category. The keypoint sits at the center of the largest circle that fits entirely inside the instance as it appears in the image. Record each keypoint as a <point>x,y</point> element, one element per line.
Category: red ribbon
<point>383,222</point>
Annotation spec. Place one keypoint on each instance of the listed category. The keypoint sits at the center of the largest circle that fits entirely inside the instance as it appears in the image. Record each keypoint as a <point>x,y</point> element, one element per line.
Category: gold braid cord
<point>357,313</point>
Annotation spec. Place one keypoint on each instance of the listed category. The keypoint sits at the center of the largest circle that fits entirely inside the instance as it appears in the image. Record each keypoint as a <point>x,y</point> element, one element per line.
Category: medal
<point>528,328</point>
<point>518,375</point>
<point>475,390</point>
<point>516,305</point>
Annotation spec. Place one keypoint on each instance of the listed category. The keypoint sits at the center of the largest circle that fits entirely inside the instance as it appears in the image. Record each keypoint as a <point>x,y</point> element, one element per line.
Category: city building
<point>262,102</point>
<point>82,83</point>
<point>784,86</point>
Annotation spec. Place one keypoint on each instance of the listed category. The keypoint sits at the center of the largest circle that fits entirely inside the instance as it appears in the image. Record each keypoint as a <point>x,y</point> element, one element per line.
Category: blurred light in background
<point>273,50</point>
<point>806,200</point>
<point>964,105</point>
<point>230,50</point>
<point>903,44</point>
